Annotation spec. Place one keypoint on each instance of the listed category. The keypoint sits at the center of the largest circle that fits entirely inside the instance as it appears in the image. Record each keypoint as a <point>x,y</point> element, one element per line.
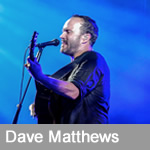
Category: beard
<point>70,47</point>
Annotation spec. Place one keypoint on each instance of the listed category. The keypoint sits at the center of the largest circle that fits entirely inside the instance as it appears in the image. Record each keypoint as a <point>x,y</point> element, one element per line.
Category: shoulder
<point>90,59</point>
<point>95,59</point>
<point>91,56</point>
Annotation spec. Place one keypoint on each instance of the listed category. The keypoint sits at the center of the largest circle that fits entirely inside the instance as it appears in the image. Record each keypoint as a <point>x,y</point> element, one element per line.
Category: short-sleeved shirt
<point>91,76</point>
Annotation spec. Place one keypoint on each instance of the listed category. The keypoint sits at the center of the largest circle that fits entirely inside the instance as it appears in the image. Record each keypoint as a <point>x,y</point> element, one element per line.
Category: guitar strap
<point>60,74</point>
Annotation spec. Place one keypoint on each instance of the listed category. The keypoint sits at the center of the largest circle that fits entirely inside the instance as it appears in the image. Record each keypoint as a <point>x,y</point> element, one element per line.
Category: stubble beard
<point>70,48</point>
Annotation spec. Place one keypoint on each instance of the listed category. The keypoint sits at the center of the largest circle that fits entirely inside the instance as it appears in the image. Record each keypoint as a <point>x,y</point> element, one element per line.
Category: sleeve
<point>86,76</point>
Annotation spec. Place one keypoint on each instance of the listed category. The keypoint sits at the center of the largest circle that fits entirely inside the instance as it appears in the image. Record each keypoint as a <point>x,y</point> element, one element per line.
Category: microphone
<point>54,42</point>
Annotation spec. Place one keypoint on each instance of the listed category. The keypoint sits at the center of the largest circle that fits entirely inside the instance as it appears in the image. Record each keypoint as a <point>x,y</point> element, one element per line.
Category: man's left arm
<point>64,88</point>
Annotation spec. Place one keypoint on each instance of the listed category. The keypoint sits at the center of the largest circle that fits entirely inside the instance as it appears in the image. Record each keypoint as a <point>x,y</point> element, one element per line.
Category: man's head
<point>88,26</point>
<point>79,33</point>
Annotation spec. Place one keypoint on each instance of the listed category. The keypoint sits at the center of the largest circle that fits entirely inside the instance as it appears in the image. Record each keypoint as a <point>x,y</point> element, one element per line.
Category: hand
<point>34,68</point>
<point>32,110</point>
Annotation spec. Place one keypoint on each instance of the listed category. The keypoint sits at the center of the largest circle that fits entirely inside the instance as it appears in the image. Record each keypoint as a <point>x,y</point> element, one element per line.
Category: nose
<point>62,36</point>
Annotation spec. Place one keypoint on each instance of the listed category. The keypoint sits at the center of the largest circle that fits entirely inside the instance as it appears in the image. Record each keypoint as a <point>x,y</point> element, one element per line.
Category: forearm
<point>60,87</point>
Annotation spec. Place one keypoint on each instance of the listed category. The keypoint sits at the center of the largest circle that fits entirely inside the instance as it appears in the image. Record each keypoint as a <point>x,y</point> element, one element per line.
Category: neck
<point>80,53</point>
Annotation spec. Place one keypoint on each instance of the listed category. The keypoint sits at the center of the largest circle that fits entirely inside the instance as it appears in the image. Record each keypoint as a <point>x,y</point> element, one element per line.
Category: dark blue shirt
<point>90,74</point>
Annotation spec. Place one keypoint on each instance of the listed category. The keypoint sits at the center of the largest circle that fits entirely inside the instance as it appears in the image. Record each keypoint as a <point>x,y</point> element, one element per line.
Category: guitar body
<point>42,105</point>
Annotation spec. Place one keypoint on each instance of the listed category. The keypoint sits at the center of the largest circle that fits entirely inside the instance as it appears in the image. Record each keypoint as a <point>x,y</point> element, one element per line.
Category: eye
<point>68,31</point>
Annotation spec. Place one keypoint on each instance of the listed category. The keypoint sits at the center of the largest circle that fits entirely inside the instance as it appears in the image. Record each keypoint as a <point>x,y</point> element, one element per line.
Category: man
<point>79,92</point>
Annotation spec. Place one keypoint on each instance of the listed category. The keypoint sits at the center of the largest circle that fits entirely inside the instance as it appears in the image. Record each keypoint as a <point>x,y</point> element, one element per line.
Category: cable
<point>23,68</point>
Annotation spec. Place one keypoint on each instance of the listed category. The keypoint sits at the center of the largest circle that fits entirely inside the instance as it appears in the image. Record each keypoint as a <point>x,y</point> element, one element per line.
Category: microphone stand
<point>19,106</point>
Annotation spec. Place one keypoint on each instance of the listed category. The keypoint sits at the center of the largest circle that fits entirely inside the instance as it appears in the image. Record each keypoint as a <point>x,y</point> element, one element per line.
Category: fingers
<point>30,62</point>
<point>34,68</point>
<point>32,110</point>
<point>27,65</point>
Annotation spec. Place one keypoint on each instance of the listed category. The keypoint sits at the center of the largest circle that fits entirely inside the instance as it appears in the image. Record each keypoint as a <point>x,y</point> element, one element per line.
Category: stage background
<point>124,41</point>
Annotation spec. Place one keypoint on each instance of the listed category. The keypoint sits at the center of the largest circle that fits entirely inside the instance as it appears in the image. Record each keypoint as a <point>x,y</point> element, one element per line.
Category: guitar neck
<point>31,54</point>
<point>32,46</point>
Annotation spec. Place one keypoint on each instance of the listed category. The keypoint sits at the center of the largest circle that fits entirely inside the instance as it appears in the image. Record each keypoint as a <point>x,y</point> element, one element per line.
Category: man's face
<point>71,36</point>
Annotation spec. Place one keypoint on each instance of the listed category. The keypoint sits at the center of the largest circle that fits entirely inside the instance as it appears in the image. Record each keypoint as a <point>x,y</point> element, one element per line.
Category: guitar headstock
<point>33,44</point>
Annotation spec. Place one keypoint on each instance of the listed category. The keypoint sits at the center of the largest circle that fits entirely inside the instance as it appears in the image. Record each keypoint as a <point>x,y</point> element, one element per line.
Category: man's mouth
<point>64,42</point>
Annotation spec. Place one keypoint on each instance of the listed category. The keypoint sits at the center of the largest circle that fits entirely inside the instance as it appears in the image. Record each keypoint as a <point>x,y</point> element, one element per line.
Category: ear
<point>85,38</point>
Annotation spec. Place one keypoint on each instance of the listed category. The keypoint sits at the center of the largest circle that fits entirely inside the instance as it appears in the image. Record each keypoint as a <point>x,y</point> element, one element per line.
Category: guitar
<point>40,106</point>
<point>46,104</point>
<point>32,45</point>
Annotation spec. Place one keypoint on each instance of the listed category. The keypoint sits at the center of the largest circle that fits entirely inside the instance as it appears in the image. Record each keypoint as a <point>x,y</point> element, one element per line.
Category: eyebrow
<point>66,29</point>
